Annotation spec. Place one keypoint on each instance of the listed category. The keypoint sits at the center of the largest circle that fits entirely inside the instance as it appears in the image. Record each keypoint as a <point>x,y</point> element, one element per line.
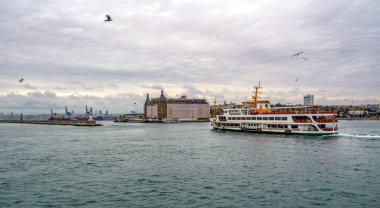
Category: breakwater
<point>54,122</point>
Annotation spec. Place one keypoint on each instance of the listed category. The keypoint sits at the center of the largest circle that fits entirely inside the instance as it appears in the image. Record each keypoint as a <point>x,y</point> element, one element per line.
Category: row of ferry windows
<point>259,118</point>
<point>269,125</point>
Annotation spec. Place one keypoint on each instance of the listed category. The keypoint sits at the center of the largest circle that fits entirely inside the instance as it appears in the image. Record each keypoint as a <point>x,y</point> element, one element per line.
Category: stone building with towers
<point>181,109</point>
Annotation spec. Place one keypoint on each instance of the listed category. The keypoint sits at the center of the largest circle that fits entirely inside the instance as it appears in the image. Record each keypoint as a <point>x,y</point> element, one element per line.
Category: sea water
<point>187,165</point>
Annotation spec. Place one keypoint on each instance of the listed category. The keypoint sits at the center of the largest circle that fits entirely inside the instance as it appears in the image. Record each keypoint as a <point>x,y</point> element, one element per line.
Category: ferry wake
<point>287,120</point>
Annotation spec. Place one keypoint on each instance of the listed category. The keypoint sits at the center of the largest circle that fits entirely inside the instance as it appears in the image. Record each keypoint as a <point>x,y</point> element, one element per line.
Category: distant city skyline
<point>67,55</point>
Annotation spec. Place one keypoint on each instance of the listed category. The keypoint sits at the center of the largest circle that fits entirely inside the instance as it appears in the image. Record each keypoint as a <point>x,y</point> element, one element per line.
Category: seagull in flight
<point>304,58</point>
<point>22,79</point>
<point>108,18</point>
<point>297,54</point>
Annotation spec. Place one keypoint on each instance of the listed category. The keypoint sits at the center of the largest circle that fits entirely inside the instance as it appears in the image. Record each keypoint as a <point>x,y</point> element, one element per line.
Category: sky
<point>215,49</point>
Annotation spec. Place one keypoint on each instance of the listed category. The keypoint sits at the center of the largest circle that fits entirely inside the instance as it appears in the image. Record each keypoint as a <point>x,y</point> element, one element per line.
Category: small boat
<point>287,120</point>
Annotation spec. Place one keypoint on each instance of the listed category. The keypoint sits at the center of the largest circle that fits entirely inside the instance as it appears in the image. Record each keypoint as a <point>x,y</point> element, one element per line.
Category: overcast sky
<point>68,55</point>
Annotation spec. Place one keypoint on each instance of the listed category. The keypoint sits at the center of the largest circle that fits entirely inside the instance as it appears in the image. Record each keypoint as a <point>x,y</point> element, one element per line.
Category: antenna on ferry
<point>214,111</point>
<point>256,95</point>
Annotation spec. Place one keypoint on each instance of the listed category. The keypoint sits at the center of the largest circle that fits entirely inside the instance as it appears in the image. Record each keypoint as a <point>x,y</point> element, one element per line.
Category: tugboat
<point>287,120</point>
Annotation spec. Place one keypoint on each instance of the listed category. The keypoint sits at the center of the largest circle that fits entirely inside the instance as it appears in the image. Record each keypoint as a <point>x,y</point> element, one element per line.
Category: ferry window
<point>229,118</point>
<point>259,118</point>
<point>277,118</point>
<point>265,118</point>
<point>294,126</point>
<point>284,118</point>
<point>225,111</point>
<point>280,126</point>
<point>253,118</point>
<point>271,118</point>
<point>242,118</point>
<point>233,118</point>
<point>266,105</point>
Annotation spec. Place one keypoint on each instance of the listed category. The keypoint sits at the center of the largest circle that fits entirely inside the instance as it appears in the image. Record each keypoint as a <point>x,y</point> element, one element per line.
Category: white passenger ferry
<point>263,118</point>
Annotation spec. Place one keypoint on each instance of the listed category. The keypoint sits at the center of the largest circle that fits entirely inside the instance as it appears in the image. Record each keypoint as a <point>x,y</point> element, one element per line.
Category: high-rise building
<point>308,99</point>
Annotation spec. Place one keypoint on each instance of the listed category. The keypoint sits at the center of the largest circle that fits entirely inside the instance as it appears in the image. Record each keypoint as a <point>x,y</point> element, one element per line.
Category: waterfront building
<point>217,109</point>
<point>247,104</point>
<point>308,99</point>
<point>181,109</point>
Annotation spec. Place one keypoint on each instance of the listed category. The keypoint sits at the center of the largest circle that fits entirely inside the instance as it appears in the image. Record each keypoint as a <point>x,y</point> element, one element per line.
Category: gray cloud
<point>41,102</point>
<point>208,49</point>
<point>155,87</point>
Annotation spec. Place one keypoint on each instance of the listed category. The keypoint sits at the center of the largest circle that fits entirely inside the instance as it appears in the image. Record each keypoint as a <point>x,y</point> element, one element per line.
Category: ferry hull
<point>276,132</point>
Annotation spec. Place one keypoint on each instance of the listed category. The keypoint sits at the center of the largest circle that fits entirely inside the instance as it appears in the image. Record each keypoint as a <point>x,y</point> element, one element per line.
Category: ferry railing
<point>302,121</point>
<point>296,112</point>
<point>326,120</point>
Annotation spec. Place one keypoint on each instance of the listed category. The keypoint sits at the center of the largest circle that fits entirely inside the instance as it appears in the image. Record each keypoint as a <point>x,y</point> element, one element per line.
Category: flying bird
<point>22,79</point>
<point>108,18</point>
<point>304,58</point>
<point>297,54</point>
<point>296,80</point>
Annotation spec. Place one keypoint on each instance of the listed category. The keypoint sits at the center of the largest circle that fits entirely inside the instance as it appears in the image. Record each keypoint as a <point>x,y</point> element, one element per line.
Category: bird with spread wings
<point>297,54</point>
<point>108,18</point>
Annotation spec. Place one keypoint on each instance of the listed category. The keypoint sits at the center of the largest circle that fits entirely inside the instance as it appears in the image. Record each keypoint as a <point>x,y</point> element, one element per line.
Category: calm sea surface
<point>187,165</point>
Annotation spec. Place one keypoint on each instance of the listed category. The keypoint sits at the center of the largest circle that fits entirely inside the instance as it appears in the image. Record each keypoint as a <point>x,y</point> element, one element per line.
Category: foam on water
<point>357,135</point>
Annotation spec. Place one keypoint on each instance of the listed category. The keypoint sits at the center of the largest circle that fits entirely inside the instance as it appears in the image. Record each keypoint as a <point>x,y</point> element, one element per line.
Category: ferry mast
<point>256,95</point>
